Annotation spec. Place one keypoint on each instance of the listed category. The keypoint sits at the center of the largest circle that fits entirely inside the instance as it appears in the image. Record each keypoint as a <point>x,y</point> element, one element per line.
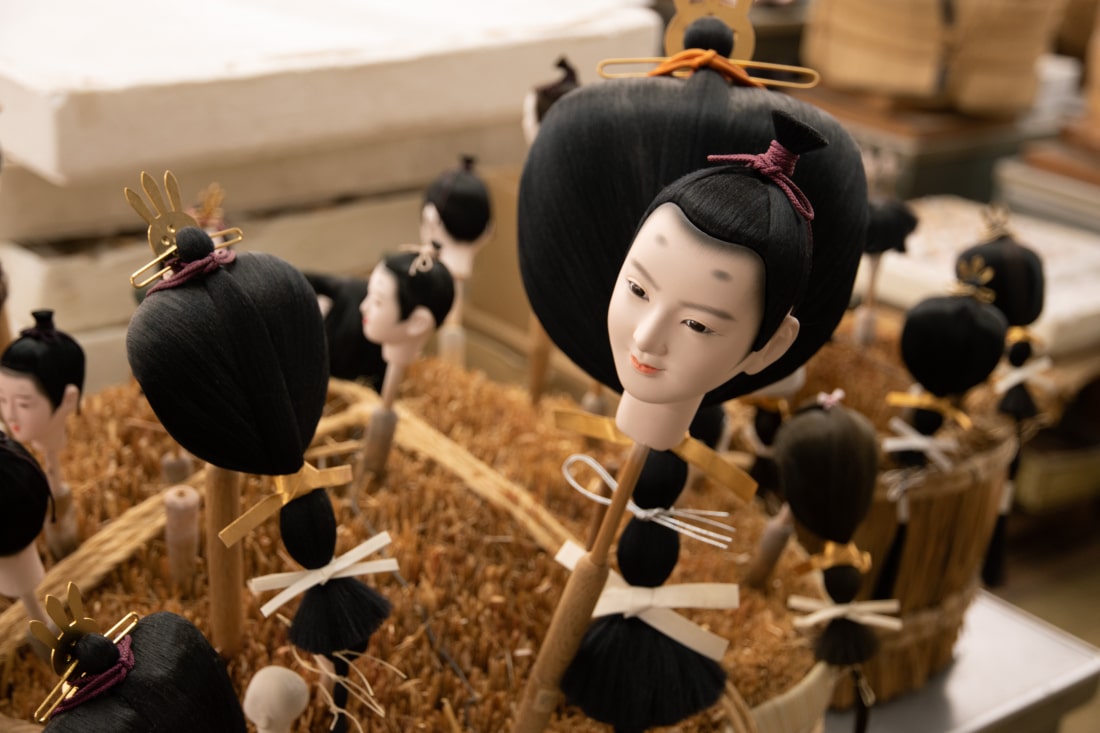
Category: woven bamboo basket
<point>981,59</point>
<point>475,504</point>
<point>952,516</point>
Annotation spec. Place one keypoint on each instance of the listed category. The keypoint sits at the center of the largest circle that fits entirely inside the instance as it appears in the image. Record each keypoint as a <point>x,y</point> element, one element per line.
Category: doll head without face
<point>41,378</point>
<point>233,359</point>
<point>455,217</point>
<point>408,296</point>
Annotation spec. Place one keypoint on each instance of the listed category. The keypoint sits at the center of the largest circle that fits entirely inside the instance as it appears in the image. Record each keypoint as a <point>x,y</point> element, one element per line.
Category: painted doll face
<point>382,321</point>
<point>27,412</point>
<point>684,312</point>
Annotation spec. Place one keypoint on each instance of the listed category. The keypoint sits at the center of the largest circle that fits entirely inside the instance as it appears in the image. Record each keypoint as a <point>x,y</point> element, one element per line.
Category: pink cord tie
<point>92,686</point>
<point>202,266</point>
<point>777,163</point>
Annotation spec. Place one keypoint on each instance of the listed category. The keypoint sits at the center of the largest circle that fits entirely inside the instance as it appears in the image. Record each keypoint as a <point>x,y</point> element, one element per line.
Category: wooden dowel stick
<point>181,535</point>
<point>224,565</point>
<point>575,607</point>
<point>538,360</point>
<point>773,540</point>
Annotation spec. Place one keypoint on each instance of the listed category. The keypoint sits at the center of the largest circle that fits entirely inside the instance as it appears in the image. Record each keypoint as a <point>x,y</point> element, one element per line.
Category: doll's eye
<point>697,327</point>
<point>637,289</point>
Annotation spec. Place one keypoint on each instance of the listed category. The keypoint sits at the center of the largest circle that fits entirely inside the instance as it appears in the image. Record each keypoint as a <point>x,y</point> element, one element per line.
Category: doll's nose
<point>648,335</point>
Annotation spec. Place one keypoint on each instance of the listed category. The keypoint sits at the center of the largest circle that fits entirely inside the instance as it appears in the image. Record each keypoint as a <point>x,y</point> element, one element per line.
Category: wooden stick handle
<point>61,532</point>
<point>181,535</point>
<point>376,448</point>
<point>538,360</point>
<point>773,539</point>
<point>224,565</point>
<point>574,610</point>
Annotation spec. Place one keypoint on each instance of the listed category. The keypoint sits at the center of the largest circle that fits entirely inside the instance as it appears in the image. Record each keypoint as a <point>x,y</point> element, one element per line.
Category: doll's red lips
<point>643,367</point>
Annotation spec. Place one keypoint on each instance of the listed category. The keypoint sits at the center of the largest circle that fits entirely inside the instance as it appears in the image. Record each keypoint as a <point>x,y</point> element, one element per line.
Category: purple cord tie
<point>203,266</point>
<point>91,686</point>
<point>777,163</point>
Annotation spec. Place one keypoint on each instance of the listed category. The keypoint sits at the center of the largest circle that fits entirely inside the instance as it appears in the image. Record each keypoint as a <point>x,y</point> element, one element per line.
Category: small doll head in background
<point>408,297</point>
<point>351,356</point>
<point>456,216</point>
<point>538,101</point>
<point>41,378</point>
<point>26,495</point>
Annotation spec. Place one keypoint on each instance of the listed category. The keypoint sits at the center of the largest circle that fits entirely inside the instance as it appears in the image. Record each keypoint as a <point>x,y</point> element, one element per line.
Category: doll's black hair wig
<point>178,684</point>
<point>234,363</point>
<point>26,497</point>
<point>1016,277</point>
<point>350,354</point>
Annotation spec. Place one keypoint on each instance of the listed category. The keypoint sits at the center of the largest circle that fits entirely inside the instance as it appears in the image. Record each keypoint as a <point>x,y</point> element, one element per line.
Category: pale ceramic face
<point>26,410</point>
<point>683,314</point>
<point>382,322</point>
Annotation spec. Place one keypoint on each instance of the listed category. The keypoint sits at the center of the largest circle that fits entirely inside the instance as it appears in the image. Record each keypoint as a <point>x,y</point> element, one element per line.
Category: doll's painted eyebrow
<point>645,273</point>
<point>717,312</point>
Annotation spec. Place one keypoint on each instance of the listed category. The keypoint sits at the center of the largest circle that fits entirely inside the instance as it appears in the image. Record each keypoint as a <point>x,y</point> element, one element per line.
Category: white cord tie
<point>678,520</point>
<point>1029,372</point>
<point>868,613</point>
<point>909,438</point>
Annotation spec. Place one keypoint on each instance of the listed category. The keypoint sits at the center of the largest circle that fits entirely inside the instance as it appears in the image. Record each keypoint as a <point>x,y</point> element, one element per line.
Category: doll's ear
<point>70,400</point>
<point>777,345</point>
<point>420,322</point>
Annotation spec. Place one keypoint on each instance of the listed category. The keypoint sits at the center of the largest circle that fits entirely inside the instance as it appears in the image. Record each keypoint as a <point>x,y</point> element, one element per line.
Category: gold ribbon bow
<point>689,449</point>
<point>973,277</point>
<point>287,489</point>
<point>926,401</point>
<point>837,554</point>
<point>1020,334</point>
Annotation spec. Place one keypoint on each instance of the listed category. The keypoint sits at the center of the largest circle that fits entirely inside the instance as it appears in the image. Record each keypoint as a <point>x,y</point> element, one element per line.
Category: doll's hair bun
<point>709,34</point>
<point>192,244</point>
<point>795,135</point>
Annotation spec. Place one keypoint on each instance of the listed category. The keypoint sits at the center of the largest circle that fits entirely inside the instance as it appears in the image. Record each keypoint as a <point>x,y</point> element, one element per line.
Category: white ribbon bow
<point>654,605</point>
<point>868,613</point>
<point>345,566</point>
<point>677,520</point>
<point>1029,372</point>
<point>909,438</point>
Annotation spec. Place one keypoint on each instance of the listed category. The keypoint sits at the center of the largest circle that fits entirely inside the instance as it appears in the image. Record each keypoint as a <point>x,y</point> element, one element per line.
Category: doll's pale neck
<point>399,354</point>
<point>658,426</point>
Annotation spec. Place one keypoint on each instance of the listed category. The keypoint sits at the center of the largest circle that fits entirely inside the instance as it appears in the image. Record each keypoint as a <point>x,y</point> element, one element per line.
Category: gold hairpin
<point>835,554</point>
<point>166,223</point>
<point>973,277</point>
<point>809,77</point>
<point>72,624</point>
<point>425,257</point>
<point>996,218</point>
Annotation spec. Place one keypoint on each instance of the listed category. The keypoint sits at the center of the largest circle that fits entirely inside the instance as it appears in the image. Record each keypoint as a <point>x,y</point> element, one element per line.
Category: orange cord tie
<point>693,59</point>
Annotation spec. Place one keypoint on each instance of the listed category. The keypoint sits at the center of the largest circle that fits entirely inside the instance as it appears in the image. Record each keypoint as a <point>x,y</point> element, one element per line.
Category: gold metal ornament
<point>165,224</point>
<point>72,623</point>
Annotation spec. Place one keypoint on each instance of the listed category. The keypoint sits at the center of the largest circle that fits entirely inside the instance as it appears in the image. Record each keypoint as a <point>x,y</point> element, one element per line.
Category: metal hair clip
<point>973,276</point>
<point>425,257</point>
<point>164,225</point>
<point>806,78</point>
<point>72,624</point>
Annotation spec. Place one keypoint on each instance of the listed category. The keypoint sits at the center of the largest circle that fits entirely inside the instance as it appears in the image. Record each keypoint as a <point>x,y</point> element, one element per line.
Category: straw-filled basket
<point>475,503</point>
<point>952,516</point>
